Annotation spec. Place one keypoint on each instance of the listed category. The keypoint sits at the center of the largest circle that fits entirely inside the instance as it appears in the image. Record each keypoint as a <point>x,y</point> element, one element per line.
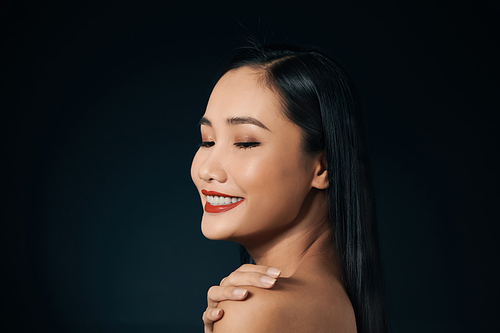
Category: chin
<point>215,230</point>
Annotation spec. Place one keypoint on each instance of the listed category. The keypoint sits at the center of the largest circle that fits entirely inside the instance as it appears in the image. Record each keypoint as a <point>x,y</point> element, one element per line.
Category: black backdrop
<point>99,110</point>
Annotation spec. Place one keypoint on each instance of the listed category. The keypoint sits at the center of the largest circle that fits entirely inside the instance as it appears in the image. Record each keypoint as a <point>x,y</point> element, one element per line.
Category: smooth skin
<point>232,288</point>
<point>252,151</point>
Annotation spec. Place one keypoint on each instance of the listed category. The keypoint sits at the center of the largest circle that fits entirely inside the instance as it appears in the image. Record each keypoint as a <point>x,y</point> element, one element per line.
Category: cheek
<point>248,171</point>
<point>278,182</point>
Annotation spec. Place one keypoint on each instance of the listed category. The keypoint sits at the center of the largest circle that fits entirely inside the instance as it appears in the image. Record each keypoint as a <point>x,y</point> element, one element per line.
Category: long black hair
<point>319,96</point>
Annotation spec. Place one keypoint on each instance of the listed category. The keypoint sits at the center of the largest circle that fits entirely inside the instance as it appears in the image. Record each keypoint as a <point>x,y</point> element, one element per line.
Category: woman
<point>283,170</point>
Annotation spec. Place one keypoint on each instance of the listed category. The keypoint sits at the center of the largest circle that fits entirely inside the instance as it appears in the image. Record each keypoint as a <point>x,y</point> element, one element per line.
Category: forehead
<point>242,93</point>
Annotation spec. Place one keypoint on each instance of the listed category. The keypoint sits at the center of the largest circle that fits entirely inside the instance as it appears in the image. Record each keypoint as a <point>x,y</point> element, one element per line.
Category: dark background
<point>99,110</point>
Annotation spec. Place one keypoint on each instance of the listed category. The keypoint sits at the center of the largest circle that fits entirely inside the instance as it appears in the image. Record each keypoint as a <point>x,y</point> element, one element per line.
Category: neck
<point>306,238</point>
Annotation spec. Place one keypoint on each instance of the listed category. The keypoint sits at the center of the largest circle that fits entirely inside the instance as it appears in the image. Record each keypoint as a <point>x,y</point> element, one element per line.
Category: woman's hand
<point>230,289</point>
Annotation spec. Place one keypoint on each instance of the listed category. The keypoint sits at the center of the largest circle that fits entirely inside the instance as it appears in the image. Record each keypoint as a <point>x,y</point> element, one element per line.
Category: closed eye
<point>246,145</point>
<point>207,144</point>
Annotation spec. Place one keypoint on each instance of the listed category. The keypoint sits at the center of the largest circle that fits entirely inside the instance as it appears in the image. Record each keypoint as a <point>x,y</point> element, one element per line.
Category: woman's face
<point>251,156</point>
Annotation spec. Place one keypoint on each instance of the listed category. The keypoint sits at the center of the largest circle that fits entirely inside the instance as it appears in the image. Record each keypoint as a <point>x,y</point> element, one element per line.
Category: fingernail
<point>238,292</point>
<point>216,313</point>
<point>267,281</point>
<point>274,272</point>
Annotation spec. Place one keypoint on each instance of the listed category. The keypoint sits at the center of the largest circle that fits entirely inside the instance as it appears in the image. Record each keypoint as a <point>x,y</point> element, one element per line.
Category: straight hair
<point>318,95</point>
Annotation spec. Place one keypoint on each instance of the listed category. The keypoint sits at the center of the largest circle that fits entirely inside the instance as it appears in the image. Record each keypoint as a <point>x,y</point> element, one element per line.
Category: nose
<point>212,168</point>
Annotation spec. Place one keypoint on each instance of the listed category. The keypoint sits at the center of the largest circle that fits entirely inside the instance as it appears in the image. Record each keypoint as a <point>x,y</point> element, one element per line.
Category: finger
<point>248,268</point>
<point>208,326</point>
<point>218,294</point>
<point>255,279</point>
<point>211,315</point>
<point>268,270</point>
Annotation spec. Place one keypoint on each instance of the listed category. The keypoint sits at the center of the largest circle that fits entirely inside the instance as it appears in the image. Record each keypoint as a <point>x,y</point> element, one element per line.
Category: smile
<point>219,202</point>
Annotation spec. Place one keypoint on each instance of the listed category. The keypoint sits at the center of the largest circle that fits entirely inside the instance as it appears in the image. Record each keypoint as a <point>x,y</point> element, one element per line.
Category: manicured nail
<point>238,292</point>
<point>267,281</point>
<point>273,272</point>
<point>216,313</point>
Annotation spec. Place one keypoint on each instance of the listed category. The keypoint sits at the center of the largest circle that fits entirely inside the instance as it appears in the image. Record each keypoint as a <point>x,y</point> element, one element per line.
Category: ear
<point>320,179</point>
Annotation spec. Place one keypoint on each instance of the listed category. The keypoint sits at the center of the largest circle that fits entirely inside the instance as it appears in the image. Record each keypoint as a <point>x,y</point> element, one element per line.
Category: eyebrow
<point>204,121</point>
<point>236,121</point>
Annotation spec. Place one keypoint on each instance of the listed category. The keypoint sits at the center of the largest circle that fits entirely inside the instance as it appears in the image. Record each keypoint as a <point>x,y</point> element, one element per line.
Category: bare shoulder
<point>296,304</point>
<point>260,312</point>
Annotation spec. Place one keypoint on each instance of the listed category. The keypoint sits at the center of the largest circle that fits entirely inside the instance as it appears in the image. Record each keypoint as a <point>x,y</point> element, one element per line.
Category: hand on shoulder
<point>233,287</point>
<point>294,304</point>
<point>260,312</point>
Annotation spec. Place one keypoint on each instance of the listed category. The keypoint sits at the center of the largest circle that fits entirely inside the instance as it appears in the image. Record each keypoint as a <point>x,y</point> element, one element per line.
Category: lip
<point>219,208</point>
<point>217,194</point>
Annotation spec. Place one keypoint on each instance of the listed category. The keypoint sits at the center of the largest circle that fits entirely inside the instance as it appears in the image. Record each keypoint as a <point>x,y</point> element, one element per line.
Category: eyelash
<point>241,145</point>
<point>206,144</point>
<point>246,145</point>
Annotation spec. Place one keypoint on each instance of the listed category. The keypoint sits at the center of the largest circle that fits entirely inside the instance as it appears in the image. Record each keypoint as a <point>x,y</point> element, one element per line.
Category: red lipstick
<point>219,208</point>
<point>217,194</point>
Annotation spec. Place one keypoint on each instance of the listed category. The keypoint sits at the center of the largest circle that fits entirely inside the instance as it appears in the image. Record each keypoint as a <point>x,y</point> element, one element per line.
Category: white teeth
<point>219,200</point>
